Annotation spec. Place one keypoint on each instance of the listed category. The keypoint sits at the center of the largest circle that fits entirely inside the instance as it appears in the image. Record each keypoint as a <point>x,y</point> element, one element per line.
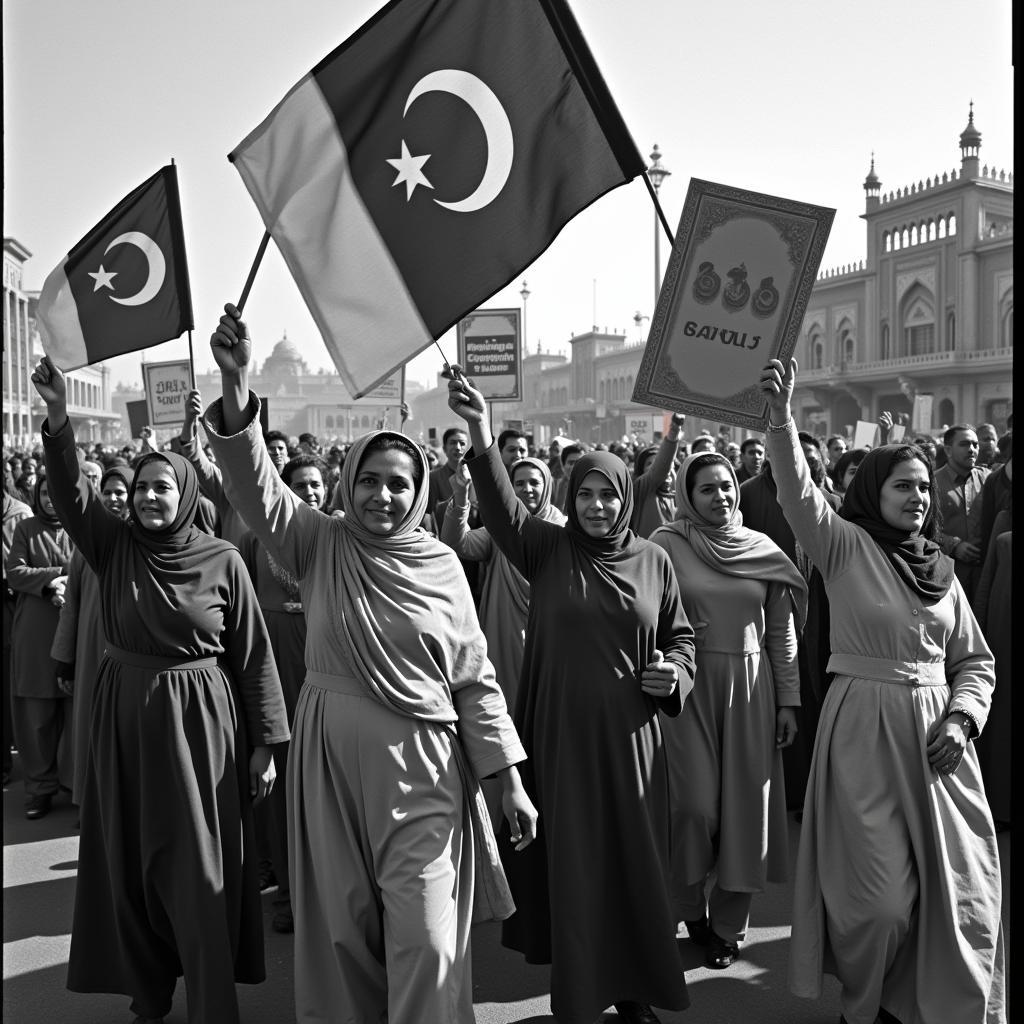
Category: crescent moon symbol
<point>496,126</point>
<point>155,260</point>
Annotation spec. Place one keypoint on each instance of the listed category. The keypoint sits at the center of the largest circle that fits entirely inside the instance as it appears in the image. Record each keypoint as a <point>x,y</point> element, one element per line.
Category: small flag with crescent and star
<point>425,162</point>
<point>124,286</point>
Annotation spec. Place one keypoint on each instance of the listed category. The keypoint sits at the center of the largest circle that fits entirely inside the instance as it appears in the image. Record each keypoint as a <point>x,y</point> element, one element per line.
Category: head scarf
<point>403,603</point>
<point>732,548</point>
<point>50,518</point>
<point>510,576</point>
<point>620,538</point>
<point>182,531</point>
<point>642,458</point>
<point>126,476</point>
<point>918,561</point>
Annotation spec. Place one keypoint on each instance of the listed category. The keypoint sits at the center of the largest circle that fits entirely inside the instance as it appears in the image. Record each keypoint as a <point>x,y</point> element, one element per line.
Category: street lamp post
<point>525,293</point>
<point>657,173</point>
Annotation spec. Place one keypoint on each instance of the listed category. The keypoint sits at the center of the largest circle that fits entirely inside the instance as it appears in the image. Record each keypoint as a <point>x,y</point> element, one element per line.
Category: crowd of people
<point>357,672</point>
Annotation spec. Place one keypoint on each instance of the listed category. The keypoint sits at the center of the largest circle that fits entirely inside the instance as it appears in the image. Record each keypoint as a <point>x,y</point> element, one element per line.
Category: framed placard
<point>167,385</point>
<point>734,296</point>
<point>489,352</point>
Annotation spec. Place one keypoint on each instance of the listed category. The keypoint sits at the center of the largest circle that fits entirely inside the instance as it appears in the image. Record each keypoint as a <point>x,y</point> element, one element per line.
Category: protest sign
<point>489,352</point>
<point>865,434</point>
<point>712,330</point>
<point>167,385</point>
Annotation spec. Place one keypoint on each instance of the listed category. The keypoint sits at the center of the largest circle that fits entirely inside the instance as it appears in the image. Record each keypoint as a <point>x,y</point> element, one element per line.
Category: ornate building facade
<point>929,311</point>
<point>89,398</point>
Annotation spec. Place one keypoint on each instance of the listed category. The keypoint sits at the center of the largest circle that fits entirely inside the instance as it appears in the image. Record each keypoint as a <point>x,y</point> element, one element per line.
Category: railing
<point>948,177</point>
<point>908,362</point>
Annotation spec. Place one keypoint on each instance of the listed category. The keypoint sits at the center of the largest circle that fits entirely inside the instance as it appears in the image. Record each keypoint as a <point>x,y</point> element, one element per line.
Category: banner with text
<point>489,353</point>
<point>167,385</point>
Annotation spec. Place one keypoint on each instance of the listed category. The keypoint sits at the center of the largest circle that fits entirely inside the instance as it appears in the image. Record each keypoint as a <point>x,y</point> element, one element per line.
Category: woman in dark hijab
<point>37,570</point>
<point>608,646</point>
<point>78,643</point>
<point>898,885</point>
<point>186,707</point>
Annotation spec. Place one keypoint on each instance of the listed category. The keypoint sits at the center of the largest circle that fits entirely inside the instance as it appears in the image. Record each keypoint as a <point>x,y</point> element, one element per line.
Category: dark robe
<point>591,892</point>
<point>762,512</point>
<point>167,884</point>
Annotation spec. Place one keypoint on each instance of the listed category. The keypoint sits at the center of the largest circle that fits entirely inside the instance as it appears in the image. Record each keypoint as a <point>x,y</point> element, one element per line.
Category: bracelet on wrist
<point>773,429</point>
<point>972,722</point>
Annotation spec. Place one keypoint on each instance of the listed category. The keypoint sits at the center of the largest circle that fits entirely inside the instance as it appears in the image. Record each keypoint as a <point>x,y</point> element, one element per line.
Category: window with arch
<point>1005,339</point>
<point>931,231</point>
<point>952,224</point>
<point>886,352</point>
<point>951,330</point>
<point>329,422</point>
<point>905,236</point>
<point>942,227</point>
<point>366,422</point>
<point>847,344</point>
<point>913,234</point>
<point>918,315</point>
<point>886,241</point>
<point>816,349</point>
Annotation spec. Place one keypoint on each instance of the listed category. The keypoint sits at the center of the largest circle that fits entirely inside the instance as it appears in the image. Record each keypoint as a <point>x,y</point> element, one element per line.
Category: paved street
<point>40,861</point>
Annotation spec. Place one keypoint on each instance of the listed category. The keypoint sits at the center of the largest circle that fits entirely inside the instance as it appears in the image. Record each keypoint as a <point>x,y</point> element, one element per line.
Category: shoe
<point>283,921</point>
<point>721,953</point>
<point>268,880</point>
<point>699,931</point>
<point>38,806</point>
<point>636,1013</point>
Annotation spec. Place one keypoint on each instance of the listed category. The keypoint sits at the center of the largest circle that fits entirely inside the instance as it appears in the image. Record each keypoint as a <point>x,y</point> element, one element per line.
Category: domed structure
<point>872,184</point>
<point>285,360</point>
<point>970,138</point>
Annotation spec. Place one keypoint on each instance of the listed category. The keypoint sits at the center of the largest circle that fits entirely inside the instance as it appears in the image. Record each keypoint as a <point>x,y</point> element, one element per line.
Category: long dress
<point>40,552</point>
<point>382,850</point>
<point>591,892</point>
<point>728,796</point>
<point>166,881</point>
<point>79,641</point>
<point>898,888</point>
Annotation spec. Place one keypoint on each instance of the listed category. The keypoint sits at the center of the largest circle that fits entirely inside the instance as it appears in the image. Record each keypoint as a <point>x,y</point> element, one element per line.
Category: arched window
<point>931,231</point>
<point>905,235</point>
<point>601,390</point>
<point>816,350</point>
<point>947,412</point>
<point>886,241</point>
<point>918,316</point>
<point>329,422</point>
<point>952,224</point>
<point>1005,339</point>
<point>629,386</point>
<point>885,353</point>
<point>942,227</point>
<point>951,331</point>
<point>366,422</point>
<point>913,234</point>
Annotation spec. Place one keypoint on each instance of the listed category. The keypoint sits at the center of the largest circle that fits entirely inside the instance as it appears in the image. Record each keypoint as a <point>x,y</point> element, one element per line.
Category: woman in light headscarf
<point>728,798</point>
<point>898,887</point>
<point>608,646</point>
<point>78,643</point>
<point>389,836</point>
<point>186,707</point>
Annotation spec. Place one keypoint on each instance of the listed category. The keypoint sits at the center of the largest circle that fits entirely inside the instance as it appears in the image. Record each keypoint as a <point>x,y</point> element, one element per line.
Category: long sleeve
<point>525,540</point>
<point>22,575</point>
<point>66,637</point>
<point>211,482</point>
<point>780,641</point>
<point>829,542</point>
<point>284,524</point>
<point>675,640</point>
<point>471,545</point>
<point>253,670</point>
<point>970,666</point>
<point>81,511</point>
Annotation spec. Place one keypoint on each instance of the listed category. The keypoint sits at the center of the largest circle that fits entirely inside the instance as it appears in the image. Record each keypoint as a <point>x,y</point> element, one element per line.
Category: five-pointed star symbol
<point>103,278</point>
<point>410,170</point>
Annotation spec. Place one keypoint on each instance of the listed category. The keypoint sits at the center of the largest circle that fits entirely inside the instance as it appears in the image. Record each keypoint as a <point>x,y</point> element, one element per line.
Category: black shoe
<point>699,931</point>
<point>283,921</point>
<point>721,953</point>
<point>38,806</point>
<point>636,1013</point>
<point>268,880</point>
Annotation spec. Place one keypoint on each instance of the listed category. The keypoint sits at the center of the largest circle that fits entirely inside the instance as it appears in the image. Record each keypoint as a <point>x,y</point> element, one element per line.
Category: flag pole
<point>191,361</point>
<point>658,209</point>
<point>252,270</point>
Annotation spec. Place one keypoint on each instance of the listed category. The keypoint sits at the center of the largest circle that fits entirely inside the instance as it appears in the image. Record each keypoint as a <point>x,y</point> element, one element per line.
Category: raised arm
<point>472,545</point>
<point>78,505</point>
<point>284,523</point>
<point>658,470</point>
<point>828,540</point>
<point>211,481</point>
<point>524,539</point>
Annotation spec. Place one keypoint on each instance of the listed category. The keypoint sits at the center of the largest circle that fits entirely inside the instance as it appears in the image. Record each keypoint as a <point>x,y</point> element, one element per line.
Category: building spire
<point>970,141</point>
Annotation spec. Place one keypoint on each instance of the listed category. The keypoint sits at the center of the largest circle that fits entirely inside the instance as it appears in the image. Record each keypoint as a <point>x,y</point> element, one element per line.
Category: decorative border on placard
<point>803,227</point>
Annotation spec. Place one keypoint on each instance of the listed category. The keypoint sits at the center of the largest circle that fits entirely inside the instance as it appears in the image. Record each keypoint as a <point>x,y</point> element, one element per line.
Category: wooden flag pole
<point>252,270</point>
<point>191,361</point>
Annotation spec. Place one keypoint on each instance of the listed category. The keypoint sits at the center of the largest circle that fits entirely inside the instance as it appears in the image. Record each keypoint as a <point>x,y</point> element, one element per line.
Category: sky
<point>789,98</point>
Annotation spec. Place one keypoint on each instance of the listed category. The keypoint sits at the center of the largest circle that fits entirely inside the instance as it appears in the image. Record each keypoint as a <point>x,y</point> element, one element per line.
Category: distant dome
<point>970,137</point>
<point>285,360</point>
<point>285,351</point>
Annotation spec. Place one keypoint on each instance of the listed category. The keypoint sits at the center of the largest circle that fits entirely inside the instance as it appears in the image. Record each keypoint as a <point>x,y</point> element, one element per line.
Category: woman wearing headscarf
<point>186,707</point>
<point>654,482</point>
<point>504,593</point>
<point>389,839</point>
<point>37,569</point>
<point>608,646</point>
<point>898,888</point>
<point>728,795</point>
<point>79,642</point>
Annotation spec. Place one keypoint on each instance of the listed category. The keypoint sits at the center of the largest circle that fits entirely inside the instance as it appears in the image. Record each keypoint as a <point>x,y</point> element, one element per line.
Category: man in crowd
<point>751,459</point>
<point>568,457</point>
<point>454,442</point>
<point>277,448</point>
<point>958,493</point>
<point>512,446</point>
<point>988,445</point>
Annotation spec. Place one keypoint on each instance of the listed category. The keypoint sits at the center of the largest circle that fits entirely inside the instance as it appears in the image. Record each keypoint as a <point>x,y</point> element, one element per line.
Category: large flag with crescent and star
<point>124,286</point>
<point>425,162</point>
